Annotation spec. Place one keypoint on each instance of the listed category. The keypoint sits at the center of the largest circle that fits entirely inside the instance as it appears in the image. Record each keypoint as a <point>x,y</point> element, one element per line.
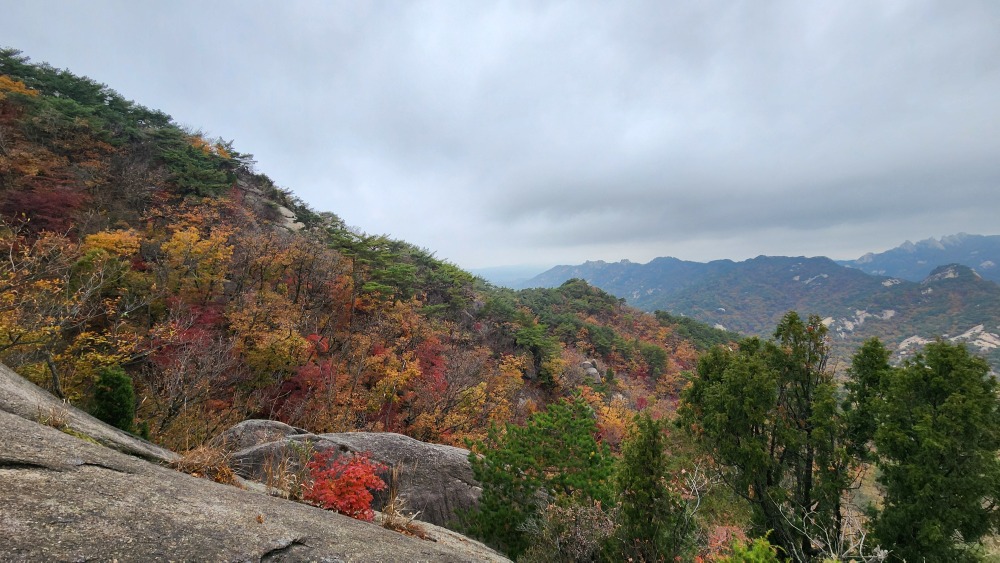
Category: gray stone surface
<point>66,499</point>
<point>436,480</point>
<point>254,432</point>
<point>23,398</point>
<point>591,370</point>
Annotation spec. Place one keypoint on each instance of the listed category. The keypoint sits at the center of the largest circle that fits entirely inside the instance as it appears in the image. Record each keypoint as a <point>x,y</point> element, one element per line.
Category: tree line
<point>792,444</point>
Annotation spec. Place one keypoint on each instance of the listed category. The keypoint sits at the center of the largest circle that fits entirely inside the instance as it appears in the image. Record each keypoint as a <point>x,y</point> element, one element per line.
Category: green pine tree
<point>768,414</point>
<point>654,524</point>
<point>937,441</point>
<point>554,457</point>
<point>865,385</point>
<point>114,398</point>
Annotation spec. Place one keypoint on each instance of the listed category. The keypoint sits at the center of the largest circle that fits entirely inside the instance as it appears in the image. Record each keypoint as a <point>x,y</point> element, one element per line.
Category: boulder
<point>23,398</point>
<point>591,370</point>
<point>254,432</point>
<point>68,499</point>
<point>435,480</point>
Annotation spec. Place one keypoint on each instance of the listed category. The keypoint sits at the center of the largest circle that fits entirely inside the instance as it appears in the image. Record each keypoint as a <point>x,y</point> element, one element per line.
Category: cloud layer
<point>555,132</point>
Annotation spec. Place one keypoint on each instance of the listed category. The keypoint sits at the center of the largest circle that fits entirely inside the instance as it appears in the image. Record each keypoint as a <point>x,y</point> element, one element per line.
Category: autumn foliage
<point>343,482</point>
<point>128,241</point>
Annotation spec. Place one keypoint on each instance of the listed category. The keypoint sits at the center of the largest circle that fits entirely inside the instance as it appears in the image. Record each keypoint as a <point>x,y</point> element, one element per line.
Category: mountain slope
<point>953,302</point>
<point>748,296</point>
<point>640,282</point>
<point>131,242</point>
<point>751,296</point>
<point>915,261</point>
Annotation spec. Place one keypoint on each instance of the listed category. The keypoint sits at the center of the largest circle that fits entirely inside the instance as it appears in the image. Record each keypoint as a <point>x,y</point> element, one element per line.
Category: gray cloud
<point>545,132</point>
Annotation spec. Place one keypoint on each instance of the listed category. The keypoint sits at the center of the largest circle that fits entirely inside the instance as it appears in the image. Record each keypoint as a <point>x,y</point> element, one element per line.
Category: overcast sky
<point>557,132</point>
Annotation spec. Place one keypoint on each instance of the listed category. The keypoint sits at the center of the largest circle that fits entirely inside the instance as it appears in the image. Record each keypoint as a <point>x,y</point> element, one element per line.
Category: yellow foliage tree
<point>119,243</point>
<point>62,312</point>
<point>197,266</point>
<point>264,323</point>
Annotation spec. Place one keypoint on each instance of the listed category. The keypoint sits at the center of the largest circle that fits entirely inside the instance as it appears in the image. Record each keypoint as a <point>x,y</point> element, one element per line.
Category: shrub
<point>758,551</point>
<point>114,398</point>
<point>345,483</point>
<point>575,530</point>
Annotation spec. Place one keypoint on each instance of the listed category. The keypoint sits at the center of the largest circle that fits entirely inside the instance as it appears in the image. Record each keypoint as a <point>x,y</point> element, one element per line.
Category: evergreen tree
<point>868,375</point>
<point>114,398</point>
<point>654,523</point>
<point>937,441</point>
<point>768,414</point>
<point>555,456</point>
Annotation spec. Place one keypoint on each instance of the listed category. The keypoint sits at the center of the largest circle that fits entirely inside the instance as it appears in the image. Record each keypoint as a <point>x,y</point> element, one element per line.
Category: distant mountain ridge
<point>636,282</point>
<point>953,301</point>
<point>508,276</point>
<point>915,261</point>
<point>749,296</point>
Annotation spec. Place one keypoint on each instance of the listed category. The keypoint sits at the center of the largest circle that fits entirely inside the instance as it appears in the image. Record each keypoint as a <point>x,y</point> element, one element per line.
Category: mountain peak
<point>951,271</point>
<point>916,261</point>
<point>931,243</point>
<point>954,240</point>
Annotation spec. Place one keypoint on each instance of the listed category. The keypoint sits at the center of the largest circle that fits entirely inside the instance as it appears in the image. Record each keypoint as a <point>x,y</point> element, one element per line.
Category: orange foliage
<point>221,151</point>
<point>8,84</point>
<point>265,325</point>
<point>614,420</point>
<point>119,243</point>
<point>197,266</point>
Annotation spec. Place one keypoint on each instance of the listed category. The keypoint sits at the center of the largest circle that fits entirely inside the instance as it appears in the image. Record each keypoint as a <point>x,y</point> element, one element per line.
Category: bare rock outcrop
<point>435,479</point>
<point>73,488</point>
<point>23,398</point>
<point>67,499</point>
<point>254,432</point>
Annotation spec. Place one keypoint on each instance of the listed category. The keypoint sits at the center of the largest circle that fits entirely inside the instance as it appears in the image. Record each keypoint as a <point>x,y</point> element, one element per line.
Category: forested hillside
<point>134,243</point>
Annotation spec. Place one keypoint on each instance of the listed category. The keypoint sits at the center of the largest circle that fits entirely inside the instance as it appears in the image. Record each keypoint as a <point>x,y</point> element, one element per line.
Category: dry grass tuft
<point>394,513</point>
<point>57,417</point>
<point>207,463</point>
<point>288,475</point>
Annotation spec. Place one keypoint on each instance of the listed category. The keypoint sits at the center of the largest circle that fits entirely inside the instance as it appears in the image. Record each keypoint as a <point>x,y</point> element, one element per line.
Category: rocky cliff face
<point>69,498</point>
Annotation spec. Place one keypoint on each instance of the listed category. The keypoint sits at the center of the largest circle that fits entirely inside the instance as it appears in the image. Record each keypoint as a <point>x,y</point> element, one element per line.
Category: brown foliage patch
<point>207,463</point>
